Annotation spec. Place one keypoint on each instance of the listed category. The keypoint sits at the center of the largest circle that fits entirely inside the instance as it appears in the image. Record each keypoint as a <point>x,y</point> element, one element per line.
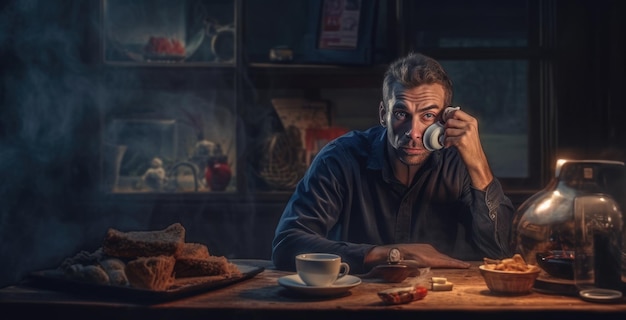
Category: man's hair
<point>414,70</point>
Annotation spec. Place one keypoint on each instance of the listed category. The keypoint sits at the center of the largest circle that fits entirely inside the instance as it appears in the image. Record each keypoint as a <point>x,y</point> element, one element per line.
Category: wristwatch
<point>394,256</point>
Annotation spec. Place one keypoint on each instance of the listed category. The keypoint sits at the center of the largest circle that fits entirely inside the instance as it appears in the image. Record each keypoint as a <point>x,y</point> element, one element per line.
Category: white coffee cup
<point>435,134</point>
<point>320,269</point>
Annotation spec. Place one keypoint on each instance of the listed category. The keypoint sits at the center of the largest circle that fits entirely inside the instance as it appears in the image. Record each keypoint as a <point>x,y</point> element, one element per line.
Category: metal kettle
<point>573,228</point>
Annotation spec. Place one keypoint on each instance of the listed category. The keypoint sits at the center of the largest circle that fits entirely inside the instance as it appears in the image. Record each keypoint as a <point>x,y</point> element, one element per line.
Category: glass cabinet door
<point>162,32</point>
<point>168,89</point>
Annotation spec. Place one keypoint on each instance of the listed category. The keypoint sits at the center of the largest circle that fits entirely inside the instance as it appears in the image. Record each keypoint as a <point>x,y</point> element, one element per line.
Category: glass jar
<point>573,228</point>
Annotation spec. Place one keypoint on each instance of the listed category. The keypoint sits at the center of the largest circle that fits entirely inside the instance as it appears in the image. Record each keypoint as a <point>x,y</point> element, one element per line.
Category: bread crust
<point>193,250</point>
<point>132,244</point>
<point>210,266</point>
<point>152,273</point>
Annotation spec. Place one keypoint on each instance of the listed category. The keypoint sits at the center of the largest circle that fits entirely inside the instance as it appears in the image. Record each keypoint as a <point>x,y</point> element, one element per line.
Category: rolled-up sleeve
<point>493,220</point>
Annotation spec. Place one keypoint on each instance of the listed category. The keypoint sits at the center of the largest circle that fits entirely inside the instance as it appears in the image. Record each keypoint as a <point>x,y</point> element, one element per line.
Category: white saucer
<point>600,295</point>
<point>342,285</point>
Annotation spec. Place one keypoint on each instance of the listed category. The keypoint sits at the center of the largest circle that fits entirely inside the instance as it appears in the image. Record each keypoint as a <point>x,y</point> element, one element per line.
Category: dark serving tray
<point>54,279</point>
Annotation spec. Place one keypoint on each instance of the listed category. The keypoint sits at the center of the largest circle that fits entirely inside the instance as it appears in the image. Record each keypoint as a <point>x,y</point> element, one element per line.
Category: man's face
<point>409,113</point>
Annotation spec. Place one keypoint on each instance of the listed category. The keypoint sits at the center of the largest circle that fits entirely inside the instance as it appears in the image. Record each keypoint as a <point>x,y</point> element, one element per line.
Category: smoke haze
<point>52,121</point>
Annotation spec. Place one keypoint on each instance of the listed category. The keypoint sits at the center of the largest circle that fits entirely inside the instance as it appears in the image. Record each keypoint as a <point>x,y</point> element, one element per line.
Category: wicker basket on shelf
<point>281,164</point>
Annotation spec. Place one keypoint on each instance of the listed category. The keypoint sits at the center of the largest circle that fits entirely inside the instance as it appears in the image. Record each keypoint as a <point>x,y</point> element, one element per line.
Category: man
<point>368,192</point>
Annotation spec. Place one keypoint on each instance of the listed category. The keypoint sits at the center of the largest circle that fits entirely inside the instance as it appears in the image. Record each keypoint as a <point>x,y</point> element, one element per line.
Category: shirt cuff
<point>493,196</point>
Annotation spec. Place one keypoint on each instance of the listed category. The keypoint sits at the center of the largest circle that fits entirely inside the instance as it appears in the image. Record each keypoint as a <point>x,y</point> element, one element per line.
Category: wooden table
<point>263,298</point>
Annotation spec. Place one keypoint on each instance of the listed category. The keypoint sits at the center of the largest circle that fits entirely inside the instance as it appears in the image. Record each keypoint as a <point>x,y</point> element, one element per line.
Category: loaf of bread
<point>83,258</point>
<point>193,250</point>
<point>115,270</point>
<point>152,273</point>
<point>88,273</point>
<point>132,244</point>
<point>151,260</point>
<point>209,266</point>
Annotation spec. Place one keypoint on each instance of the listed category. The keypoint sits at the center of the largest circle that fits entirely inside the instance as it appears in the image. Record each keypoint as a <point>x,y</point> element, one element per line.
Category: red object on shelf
<point>217,175</point>
<point>165,46</point>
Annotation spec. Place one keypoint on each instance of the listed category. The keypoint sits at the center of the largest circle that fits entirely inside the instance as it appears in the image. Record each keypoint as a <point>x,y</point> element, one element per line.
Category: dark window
<point>496,93</point>
<point>495,53</point>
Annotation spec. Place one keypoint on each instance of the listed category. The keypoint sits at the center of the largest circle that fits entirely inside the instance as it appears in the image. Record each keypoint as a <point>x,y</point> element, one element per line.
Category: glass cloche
<point>572,229</point>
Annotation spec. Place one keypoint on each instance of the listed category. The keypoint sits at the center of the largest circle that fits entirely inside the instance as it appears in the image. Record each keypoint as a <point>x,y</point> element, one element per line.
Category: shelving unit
<point>247,84</point>
<point>138,88</point>
<point>169,64</point>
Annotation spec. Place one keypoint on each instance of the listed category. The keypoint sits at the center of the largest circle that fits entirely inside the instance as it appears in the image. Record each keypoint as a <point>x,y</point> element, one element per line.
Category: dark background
<point>51,204</point>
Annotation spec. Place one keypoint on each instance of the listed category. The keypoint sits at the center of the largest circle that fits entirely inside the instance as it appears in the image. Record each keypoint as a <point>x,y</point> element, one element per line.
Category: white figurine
<point>154,177</point>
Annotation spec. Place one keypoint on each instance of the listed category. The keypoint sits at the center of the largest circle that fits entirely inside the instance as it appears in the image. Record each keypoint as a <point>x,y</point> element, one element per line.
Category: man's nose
<point>414,132</point>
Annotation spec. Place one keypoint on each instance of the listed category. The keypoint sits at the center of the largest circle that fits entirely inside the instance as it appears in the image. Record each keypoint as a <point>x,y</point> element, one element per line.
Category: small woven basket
<point>509,282</point>
<point>282,163</point>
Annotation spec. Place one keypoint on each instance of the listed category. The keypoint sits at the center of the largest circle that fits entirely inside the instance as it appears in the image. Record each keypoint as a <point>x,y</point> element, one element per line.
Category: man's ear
<point>381,114</point>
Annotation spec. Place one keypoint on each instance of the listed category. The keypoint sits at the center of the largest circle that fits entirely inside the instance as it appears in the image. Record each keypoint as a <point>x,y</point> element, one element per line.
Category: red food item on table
<point>403,295</point>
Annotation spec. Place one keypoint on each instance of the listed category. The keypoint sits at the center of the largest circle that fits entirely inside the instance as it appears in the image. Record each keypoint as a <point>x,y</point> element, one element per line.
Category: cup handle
<point>344,269</point>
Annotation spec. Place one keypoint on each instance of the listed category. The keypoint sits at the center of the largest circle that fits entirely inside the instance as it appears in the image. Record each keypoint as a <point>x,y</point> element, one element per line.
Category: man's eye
<point>400,115</point>
<point>430,116</point>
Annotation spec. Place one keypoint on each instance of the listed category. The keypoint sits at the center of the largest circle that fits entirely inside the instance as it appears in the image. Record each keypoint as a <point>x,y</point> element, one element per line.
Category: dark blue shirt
<point>349,201</point>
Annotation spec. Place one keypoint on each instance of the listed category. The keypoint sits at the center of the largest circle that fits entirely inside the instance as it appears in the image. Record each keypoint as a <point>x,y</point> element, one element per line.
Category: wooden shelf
<point>268,75</point>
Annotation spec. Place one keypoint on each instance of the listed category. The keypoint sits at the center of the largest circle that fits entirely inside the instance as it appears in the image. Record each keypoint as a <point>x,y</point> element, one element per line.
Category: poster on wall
<point>339,26</point>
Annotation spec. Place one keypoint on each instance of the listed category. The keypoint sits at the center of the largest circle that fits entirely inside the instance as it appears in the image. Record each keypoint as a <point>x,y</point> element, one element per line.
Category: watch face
<point>394,255</point>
